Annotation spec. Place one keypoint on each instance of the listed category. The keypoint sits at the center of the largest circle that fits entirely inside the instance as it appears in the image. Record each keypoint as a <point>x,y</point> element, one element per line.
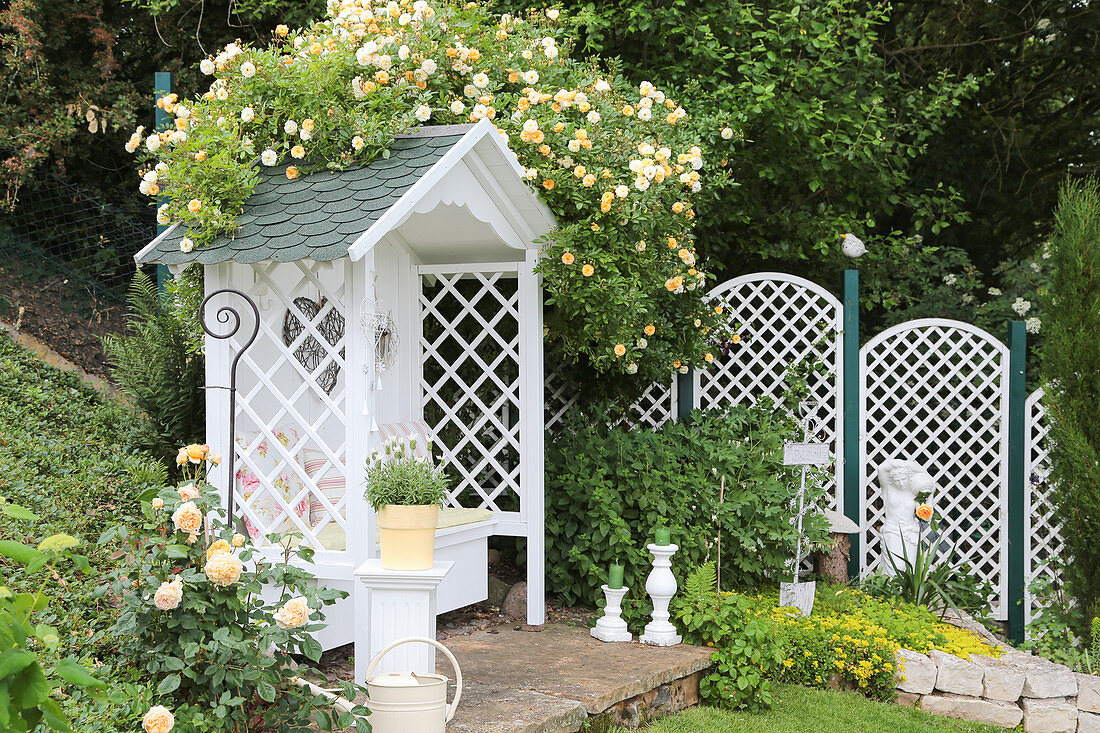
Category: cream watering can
<point>404,702</point>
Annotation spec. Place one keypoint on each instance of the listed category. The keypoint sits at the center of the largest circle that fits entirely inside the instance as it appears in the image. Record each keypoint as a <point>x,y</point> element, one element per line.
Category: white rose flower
<point>222,94</point>
<point>153,143</point>
<point>574,146</point>
<point>632,368</point>
<point>593,117</point>
<point>363,56</point>
<point>305,134</point>
<point>145,188</point>
<point>429,66</point>
<point>248,114</point>
<point>471,91</point>
<point>207,67</point>
<point>553,13</point>
<point>423,113</point>
<point>696,187</point>
<point>403,52</point>
<point>481,80</point>
<point>530,125</point>
<point>186,245</point>
<point>646,149</point>
<point>480,111</point>
<point>526,53</point>
<point>551,52</point>
<point>622,191</point>
<point>658,97</point>
<point>162,214</point>
<point>548,41</point>
<point>602,86</point>
<point>696,163</point>
<point>727,133</point>
<point>150,177</point>
<point>636,166</point>
<point>642,343</point>
<point>370,48</point>
<point>458,107</point>
<point>641,183</point>
<point>645,103</point>
<point>290,127</point>
<point>357,143</point>
<point>645,114</point>
<point>531,76</point>
<point>248,70</point>
<point>531,173</point>
<point>269,157</point>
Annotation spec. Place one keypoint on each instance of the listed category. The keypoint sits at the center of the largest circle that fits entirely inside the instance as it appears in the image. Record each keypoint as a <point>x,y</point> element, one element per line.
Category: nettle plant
<point>193,617</point>
<point>620,165</point>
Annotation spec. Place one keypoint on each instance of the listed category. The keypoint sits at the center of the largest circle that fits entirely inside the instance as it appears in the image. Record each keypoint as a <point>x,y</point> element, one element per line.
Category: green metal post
<point>162,85</point>
<point>851,414</point>
<point>685,395</point>
<point>1017,397</point>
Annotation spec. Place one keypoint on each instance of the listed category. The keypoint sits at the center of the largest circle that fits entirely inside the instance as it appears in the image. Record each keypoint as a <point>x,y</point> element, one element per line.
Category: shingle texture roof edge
<point>316,216</point>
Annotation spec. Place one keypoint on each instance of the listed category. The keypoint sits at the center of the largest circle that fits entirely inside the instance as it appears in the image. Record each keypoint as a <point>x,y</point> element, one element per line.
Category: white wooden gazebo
<point>397,297</point>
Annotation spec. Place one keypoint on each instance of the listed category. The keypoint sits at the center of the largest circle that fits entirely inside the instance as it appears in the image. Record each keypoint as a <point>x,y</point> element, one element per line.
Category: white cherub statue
<point>901,481</point>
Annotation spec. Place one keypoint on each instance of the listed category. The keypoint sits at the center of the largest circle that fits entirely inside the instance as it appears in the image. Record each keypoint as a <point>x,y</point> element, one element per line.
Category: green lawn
<point>804,710</point>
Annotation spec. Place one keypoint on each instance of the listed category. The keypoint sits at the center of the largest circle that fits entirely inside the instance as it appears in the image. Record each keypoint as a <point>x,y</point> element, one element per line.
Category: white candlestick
<point>611,626</point>
<point>661,587</point>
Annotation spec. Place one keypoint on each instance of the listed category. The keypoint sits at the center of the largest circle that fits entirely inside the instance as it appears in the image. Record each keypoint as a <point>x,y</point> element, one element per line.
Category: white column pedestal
<point>390,605</point>
<point>611,626</point>
<point>661,587</point>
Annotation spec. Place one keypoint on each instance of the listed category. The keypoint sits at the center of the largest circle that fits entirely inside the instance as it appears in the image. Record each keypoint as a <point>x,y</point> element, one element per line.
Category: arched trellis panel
<point>781,320</point>
<point>935,391</point>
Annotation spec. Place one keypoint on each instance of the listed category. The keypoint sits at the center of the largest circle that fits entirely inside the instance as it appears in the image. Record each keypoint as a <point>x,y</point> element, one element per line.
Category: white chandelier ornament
<point>382,341</point>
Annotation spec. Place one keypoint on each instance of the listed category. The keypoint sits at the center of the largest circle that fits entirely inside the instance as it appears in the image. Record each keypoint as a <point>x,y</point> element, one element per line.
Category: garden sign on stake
<point>805,454</point>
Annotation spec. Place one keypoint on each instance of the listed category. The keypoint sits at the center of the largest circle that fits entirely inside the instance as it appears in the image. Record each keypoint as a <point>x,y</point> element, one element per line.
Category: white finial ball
<point>852,246</point>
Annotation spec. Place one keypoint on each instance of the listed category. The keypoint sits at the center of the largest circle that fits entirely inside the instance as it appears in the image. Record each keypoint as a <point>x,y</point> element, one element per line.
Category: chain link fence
<point>71,248</point>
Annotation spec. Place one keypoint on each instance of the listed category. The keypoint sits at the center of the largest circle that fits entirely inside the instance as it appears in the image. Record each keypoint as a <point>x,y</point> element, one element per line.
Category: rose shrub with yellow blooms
<point>621,166</point>
<point>194,626</point>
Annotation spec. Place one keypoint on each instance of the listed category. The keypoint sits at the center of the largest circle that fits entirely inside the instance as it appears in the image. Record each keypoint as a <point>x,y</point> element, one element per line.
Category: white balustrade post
<point>611,626</point>
<point>661,587</point>
<point>398,603</point>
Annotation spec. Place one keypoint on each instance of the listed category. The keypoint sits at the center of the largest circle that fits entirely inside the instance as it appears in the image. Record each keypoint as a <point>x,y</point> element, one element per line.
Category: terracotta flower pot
<point>406,535</point>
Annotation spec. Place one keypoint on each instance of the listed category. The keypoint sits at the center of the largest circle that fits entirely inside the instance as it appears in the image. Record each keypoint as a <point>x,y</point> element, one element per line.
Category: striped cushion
<point>413,434</point>
<point>332,484</point>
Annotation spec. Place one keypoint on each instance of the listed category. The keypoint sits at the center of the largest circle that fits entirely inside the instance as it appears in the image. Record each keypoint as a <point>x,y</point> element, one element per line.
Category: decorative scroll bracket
<point>229,315</point>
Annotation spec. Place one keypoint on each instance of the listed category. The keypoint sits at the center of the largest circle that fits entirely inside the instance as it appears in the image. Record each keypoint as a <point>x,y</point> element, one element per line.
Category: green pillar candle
<point>615,576</point>
<point>662,536</point>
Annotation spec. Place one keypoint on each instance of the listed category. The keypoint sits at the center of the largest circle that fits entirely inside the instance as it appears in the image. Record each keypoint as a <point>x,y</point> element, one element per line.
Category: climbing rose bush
<point>620,165</point>
<point>195,627</point>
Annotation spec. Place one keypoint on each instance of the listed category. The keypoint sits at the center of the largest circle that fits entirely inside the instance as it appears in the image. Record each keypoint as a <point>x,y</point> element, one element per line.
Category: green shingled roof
<point>316,216</point>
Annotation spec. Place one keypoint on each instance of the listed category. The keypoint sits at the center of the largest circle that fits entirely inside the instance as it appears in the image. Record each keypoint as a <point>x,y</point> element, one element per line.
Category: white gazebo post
<point>399,603</point>
<point>533,430</point>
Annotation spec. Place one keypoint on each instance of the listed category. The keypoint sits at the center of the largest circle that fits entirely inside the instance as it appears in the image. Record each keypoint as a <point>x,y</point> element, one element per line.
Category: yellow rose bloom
<point>158,503</point>
<point>292,172</point>
<point>293,614</point>
<point>587,270</point>
<point>187,517</point>
<point>188,492</point>
<point>620,349</point>
<point>217,547</point>
<point>568,258</point>
<point>194,205</point>
<point>158,719</point>
<point>168,595</point>
<point>223,569</point>
<point>650,330</point>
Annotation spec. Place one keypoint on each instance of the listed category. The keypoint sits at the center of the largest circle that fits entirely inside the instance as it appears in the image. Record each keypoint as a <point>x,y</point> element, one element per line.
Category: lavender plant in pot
<point>405,490</point>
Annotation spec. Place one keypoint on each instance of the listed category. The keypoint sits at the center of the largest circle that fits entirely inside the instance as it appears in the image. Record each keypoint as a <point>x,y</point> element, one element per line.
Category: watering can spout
<point>402,702</point>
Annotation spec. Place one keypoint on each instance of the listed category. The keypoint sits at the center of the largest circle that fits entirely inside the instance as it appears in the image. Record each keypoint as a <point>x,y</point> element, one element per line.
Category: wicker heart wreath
<point>311,353</point>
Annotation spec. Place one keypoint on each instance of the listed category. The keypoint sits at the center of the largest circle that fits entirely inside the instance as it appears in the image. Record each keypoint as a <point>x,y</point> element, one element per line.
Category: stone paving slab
<point>551,680</point>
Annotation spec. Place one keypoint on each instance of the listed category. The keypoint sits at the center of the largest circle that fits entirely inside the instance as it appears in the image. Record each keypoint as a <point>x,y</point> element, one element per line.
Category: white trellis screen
<point>1041,530</point>
<point>655,407</point>
<point>936,391</point>
<point>782,320</point>
<point>290,436</point>
<point>469,382</point>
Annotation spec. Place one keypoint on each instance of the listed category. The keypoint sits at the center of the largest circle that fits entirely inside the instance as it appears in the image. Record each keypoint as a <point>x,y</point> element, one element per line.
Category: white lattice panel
<point>1042,530</point>
<point>470,351</point>
<point>286,418</point>
<point>781,320</point>
<point>936,392</point>
<point>655,407</point>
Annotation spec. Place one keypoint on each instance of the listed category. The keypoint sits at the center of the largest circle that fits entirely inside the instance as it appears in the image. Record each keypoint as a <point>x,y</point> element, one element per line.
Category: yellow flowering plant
<point>194,625</point>
<point>621,166</point>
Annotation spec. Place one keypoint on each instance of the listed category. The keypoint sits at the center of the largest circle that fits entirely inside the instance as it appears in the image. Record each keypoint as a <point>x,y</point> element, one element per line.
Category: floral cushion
<point>284,483</point>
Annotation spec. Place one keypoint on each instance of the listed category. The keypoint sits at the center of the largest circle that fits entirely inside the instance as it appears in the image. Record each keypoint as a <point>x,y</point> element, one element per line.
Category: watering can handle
<point>447,652</point>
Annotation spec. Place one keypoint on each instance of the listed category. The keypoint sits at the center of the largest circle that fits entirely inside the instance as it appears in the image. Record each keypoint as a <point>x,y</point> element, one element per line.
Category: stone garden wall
<point>1017,687</point>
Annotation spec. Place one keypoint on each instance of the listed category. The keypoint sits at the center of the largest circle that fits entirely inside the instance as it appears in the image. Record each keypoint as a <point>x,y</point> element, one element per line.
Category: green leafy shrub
<point>399,476</point>
<point>26,687</point>
<point>746,652</point>
<point>194,620</point>
<point>155,366</point>
<point>1070,371</point>
<point>609,488</point>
